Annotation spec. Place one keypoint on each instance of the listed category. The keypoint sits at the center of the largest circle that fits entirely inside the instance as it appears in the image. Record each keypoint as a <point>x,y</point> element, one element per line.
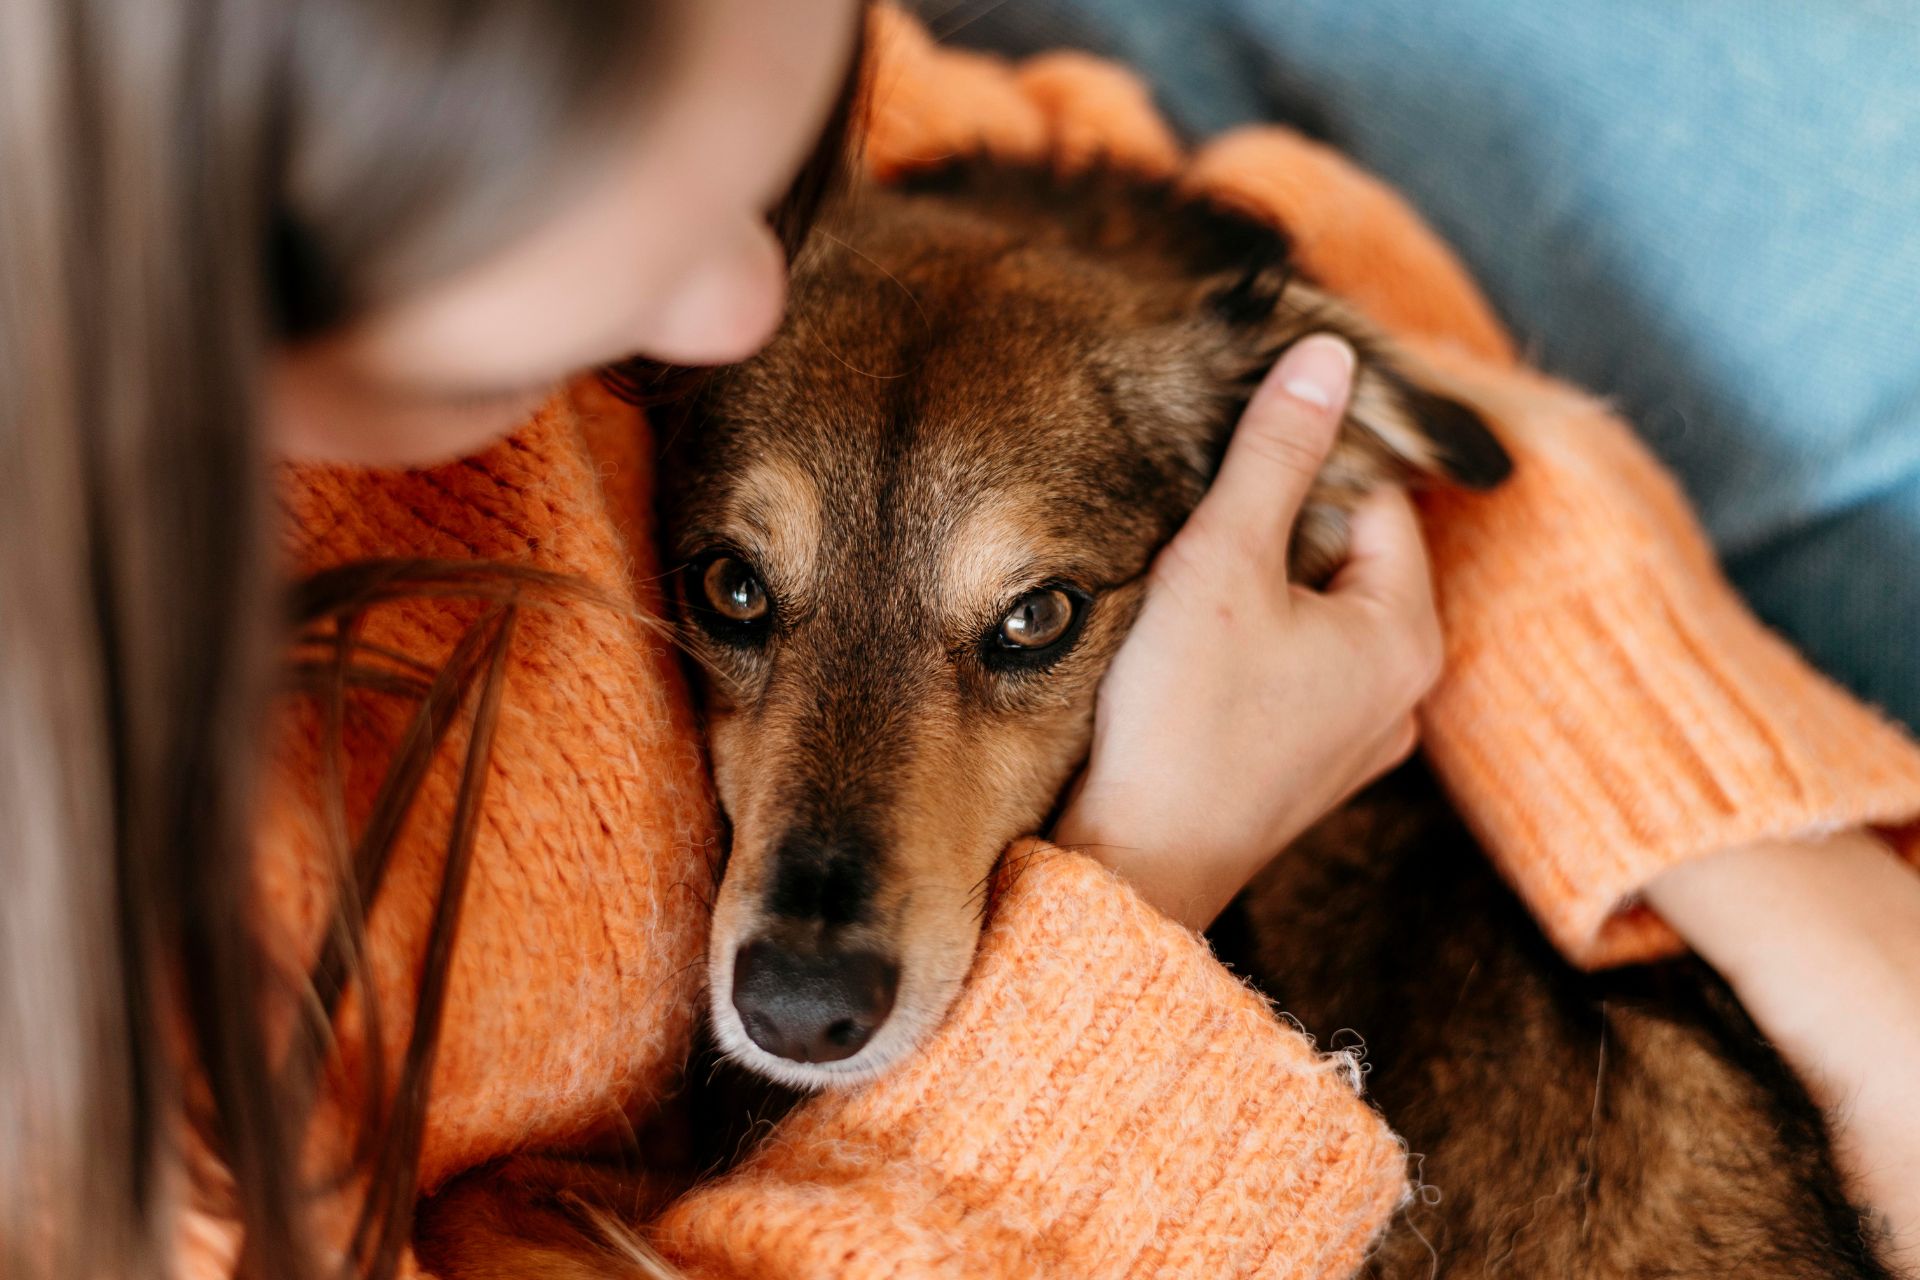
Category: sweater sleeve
<point>1103,1100</point>
<point>1610,707</point>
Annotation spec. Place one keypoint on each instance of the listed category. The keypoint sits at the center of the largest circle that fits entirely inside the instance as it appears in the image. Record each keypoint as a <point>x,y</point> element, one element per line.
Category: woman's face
<point>667,254</point>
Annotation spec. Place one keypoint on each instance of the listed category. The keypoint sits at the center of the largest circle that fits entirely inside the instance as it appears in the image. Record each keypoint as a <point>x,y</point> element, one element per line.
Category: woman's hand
<point>1242,708</point>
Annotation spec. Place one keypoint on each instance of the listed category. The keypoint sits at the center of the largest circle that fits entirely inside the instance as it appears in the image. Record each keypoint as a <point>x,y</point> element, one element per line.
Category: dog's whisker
<point>851,366</point>
<point>926,322</point>
<point>703,897</point>
<point>704,661</point>
<point>985,9</point>
<point>670,979</point>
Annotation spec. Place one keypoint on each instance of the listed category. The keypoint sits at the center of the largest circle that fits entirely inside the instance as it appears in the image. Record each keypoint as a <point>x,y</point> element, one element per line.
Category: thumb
<point>1278,448</point>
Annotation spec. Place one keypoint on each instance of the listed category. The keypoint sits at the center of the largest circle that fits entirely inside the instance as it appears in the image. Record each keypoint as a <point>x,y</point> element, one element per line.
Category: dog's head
<point>913,532</point>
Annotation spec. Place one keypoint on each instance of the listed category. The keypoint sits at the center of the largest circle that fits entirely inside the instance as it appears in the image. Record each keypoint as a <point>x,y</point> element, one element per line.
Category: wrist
<point>1761,913</point>
<point>1179,873</point>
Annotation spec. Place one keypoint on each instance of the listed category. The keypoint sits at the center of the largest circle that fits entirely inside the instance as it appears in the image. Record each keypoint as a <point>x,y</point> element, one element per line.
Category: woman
<point>380,234</point>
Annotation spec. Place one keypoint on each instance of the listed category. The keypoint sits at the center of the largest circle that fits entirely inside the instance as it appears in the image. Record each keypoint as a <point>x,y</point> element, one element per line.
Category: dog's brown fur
<point>1000,380</point>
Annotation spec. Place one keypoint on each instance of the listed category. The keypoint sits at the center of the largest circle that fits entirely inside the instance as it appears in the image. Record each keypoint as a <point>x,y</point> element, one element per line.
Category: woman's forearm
<point>1821,941</point>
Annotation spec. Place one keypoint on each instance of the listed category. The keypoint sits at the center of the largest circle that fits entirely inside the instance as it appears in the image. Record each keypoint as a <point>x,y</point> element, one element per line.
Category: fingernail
<point>1316,370</point>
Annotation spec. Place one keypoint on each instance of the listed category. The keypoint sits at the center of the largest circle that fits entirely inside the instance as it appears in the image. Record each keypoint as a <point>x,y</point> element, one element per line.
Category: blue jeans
<point>1708,211</point>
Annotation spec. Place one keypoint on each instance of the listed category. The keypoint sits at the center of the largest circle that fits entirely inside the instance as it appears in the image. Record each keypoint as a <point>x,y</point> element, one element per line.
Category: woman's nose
<point>726,304</point>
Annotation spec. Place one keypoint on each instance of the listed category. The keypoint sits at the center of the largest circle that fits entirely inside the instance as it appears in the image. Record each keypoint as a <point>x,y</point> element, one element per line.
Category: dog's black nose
<point>811,1008</point>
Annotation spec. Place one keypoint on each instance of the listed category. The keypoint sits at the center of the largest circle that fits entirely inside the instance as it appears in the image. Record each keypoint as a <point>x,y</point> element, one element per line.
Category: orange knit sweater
<point>1104,1100</point>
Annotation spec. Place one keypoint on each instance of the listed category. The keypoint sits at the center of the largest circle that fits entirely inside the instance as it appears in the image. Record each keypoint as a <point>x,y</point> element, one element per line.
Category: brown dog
<point>913,533</point>
<point>915,530</point>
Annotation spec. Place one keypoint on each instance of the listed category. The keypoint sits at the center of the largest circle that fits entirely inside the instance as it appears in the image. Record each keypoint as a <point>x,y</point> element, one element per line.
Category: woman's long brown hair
<point>189,184</point>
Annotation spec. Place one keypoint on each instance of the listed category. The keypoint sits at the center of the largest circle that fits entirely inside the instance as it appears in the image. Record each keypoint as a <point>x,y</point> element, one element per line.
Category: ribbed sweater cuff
<point>1104,1100</point>
<point>1611,708</point>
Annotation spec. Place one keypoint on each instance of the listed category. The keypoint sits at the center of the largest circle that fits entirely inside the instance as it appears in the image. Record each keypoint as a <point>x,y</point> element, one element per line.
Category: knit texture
<point>595,847</point>
<point>1610,706</point>
<point>1105,1100</point>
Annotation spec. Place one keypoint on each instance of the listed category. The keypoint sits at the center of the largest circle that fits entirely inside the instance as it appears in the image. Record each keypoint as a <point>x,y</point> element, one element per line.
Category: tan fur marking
<point>989,551</point>
<point>780,505</point>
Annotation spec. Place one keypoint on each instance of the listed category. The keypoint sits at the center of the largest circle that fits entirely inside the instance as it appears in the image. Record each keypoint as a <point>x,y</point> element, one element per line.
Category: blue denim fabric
<point>1708,211</point>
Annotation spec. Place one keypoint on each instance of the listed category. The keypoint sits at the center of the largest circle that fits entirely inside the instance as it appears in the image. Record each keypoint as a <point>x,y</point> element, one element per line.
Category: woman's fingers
<point>1276,451</point>
<point>1386,556</point>
<point>1387,568</point>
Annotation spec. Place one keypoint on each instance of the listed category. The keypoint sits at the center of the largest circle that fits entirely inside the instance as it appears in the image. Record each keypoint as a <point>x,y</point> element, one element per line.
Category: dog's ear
<point>1432,435</point>
<point>1398,430</point>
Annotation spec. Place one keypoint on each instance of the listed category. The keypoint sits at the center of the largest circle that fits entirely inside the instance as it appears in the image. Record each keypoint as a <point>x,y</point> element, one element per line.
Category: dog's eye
<point>734,591</point>
<point>1037,631</point>
<point>729,599</point>
<point>1037,619</point>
